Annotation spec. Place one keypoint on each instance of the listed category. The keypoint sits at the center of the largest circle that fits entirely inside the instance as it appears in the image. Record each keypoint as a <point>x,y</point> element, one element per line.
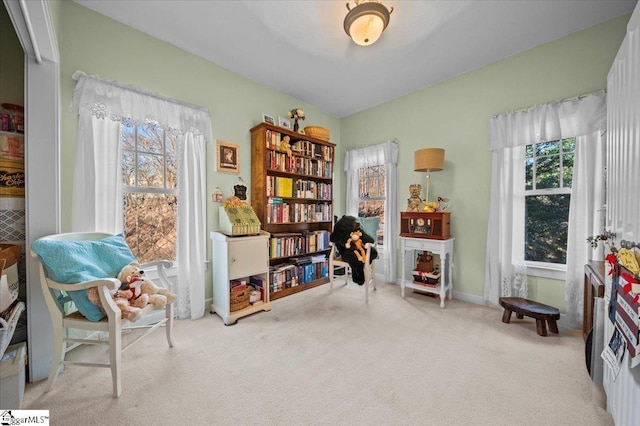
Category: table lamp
<point>428,160</point>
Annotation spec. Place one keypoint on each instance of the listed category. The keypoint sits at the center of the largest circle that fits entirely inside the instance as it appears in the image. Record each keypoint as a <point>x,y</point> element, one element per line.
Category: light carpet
<point>332,359</point>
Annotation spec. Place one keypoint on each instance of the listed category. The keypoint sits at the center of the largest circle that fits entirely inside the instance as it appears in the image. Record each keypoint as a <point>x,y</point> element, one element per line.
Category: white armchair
<point>113,324</point>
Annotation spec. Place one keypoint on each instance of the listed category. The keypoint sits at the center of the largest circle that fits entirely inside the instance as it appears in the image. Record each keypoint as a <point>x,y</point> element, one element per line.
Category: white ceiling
<point>300,47</point>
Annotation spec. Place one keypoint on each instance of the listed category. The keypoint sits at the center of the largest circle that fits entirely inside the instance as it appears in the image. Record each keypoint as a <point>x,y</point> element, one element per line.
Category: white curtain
<point>97,193</point>
<point>586,217</point>
<point>374,155</point>
<point>583,118</point>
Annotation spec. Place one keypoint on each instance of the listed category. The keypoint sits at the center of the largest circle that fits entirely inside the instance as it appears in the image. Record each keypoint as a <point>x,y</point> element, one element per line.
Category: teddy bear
<point>414,201</point>
<point>156,296</point>
<point>285,145</point>
<point>121,298</point>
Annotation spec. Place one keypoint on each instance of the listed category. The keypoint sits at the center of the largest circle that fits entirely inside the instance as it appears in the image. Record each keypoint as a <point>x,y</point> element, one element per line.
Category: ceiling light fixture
<point>366,21</point>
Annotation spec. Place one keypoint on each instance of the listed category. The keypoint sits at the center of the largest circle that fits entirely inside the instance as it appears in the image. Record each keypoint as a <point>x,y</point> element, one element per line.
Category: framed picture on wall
<point>228,157</point>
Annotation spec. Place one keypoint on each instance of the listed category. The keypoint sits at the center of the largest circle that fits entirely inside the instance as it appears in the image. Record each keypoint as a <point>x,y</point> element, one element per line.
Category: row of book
<point>300,165</point>
<point>296,243</point>
<point>279,186</point>
<point>273,141</point>
<point>278,211</point>
<point>314,150</point>
<point>301,271</point>
<point>285,187</point>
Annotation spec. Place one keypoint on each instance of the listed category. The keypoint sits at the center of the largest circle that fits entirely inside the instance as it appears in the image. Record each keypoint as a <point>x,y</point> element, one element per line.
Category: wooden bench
<point>538,311</point>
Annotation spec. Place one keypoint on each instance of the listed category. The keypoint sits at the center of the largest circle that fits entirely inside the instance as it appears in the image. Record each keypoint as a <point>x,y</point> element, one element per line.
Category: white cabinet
<point>238,258</point>
<point>443,248</point>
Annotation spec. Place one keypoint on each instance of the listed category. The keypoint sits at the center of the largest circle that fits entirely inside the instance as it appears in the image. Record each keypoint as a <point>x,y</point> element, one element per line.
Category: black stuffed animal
<point>341,235</point>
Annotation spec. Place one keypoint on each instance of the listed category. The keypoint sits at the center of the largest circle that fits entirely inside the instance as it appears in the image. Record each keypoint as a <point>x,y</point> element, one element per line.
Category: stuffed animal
<point>414,201</point>
<point>121,298</point>
<point>156,296</point>
<point>285,145</point>
<point>430,206</point>
<point>341,235</point>
<point>359,249</point>
<point>131,277</point>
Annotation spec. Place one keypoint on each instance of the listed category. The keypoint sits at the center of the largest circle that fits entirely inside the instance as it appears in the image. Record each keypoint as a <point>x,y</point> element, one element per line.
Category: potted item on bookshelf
<point>296,114</point>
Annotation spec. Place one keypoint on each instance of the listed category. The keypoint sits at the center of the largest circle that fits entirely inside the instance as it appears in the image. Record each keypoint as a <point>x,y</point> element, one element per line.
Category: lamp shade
<point>428,160</point>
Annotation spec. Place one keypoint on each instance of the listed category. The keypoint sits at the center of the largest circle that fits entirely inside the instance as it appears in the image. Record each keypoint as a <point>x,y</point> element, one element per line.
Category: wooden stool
<point>523,307</point>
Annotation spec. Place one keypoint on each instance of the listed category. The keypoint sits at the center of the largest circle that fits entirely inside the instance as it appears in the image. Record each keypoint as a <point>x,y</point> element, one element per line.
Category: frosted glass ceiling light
<point>366,21</point>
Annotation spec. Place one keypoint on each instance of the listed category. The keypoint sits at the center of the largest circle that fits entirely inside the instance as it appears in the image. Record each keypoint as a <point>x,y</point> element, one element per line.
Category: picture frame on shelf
<point>268,119</point>
<point>284,122</point>
<point>227,157</point>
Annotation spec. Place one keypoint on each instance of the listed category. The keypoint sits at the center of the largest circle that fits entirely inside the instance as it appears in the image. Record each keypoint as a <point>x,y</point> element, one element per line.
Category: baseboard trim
<point>465,297</point>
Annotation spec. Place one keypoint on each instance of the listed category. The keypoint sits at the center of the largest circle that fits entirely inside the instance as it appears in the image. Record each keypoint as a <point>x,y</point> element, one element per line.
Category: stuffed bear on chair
<point>135,277</point>
<point>350,239</point>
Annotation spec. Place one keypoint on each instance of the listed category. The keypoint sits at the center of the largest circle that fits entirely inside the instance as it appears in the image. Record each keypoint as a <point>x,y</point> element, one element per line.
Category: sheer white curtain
<point>583,118</point>
<point>374,155</point>
<point>97,193</point>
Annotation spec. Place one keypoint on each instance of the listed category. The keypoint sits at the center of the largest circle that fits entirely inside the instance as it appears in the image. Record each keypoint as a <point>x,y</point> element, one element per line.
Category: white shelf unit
<point>235,258</point>
<point>442,248</point>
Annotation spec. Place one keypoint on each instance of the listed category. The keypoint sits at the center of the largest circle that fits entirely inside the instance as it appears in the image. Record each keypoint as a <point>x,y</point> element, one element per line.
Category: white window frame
<point>135,189</point>
<point>550,270</point>
<point>367,198</point>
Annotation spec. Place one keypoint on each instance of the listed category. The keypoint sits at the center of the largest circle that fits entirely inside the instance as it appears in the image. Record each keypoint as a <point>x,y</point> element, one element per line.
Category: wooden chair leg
<point>519,316</point>
<point>541,327</point>
<point>553,327</point>
<point>115,355</point>
<point>506,316</point>
<point>169,324</point>
<point>57,358</point>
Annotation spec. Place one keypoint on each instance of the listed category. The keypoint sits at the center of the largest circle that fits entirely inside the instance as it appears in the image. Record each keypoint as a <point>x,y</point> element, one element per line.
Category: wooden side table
<point>593,287</point>
<point>444,249</point>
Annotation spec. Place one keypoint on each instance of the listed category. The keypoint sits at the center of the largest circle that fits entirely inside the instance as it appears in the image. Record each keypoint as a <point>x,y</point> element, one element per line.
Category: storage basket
<point>239,300</point>
<point>317,132</point>
<point>428,278</point>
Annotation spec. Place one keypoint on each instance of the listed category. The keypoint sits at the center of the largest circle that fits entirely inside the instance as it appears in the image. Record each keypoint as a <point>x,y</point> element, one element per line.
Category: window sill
<point>547,270</point>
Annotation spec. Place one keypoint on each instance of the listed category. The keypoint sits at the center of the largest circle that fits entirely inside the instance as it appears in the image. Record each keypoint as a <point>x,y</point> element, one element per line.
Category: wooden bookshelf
<point>293,198</point>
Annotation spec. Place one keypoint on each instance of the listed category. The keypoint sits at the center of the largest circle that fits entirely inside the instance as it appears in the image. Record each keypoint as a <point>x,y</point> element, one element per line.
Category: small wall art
<point>268,119</point>
<point>228,157</point>
<point>284,122</point>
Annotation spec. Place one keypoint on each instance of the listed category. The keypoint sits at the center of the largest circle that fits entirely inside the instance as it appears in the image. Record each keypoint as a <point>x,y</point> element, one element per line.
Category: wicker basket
<point>239,300</point>
<point>317,132</point>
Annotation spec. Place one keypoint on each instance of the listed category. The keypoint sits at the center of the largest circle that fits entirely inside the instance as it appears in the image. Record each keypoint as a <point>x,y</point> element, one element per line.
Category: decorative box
<point>238,220</point>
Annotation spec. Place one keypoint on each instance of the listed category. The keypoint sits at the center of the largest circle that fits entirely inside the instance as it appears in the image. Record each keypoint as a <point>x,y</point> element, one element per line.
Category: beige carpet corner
<point>331,359</point>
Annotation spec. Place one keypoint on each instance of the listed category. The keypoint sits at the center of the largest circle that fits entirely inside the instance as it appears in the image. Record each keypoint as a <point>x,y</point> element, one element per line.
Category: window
<point>150,195</point>
<point>371,196</point>
<point>548,176</point>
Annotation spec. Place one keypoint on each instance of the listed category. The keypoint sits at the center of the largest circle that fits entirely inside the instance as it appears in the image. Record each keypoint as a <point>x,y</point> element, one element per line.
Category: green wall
<point>455,115</point>
<point>98,45</point>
